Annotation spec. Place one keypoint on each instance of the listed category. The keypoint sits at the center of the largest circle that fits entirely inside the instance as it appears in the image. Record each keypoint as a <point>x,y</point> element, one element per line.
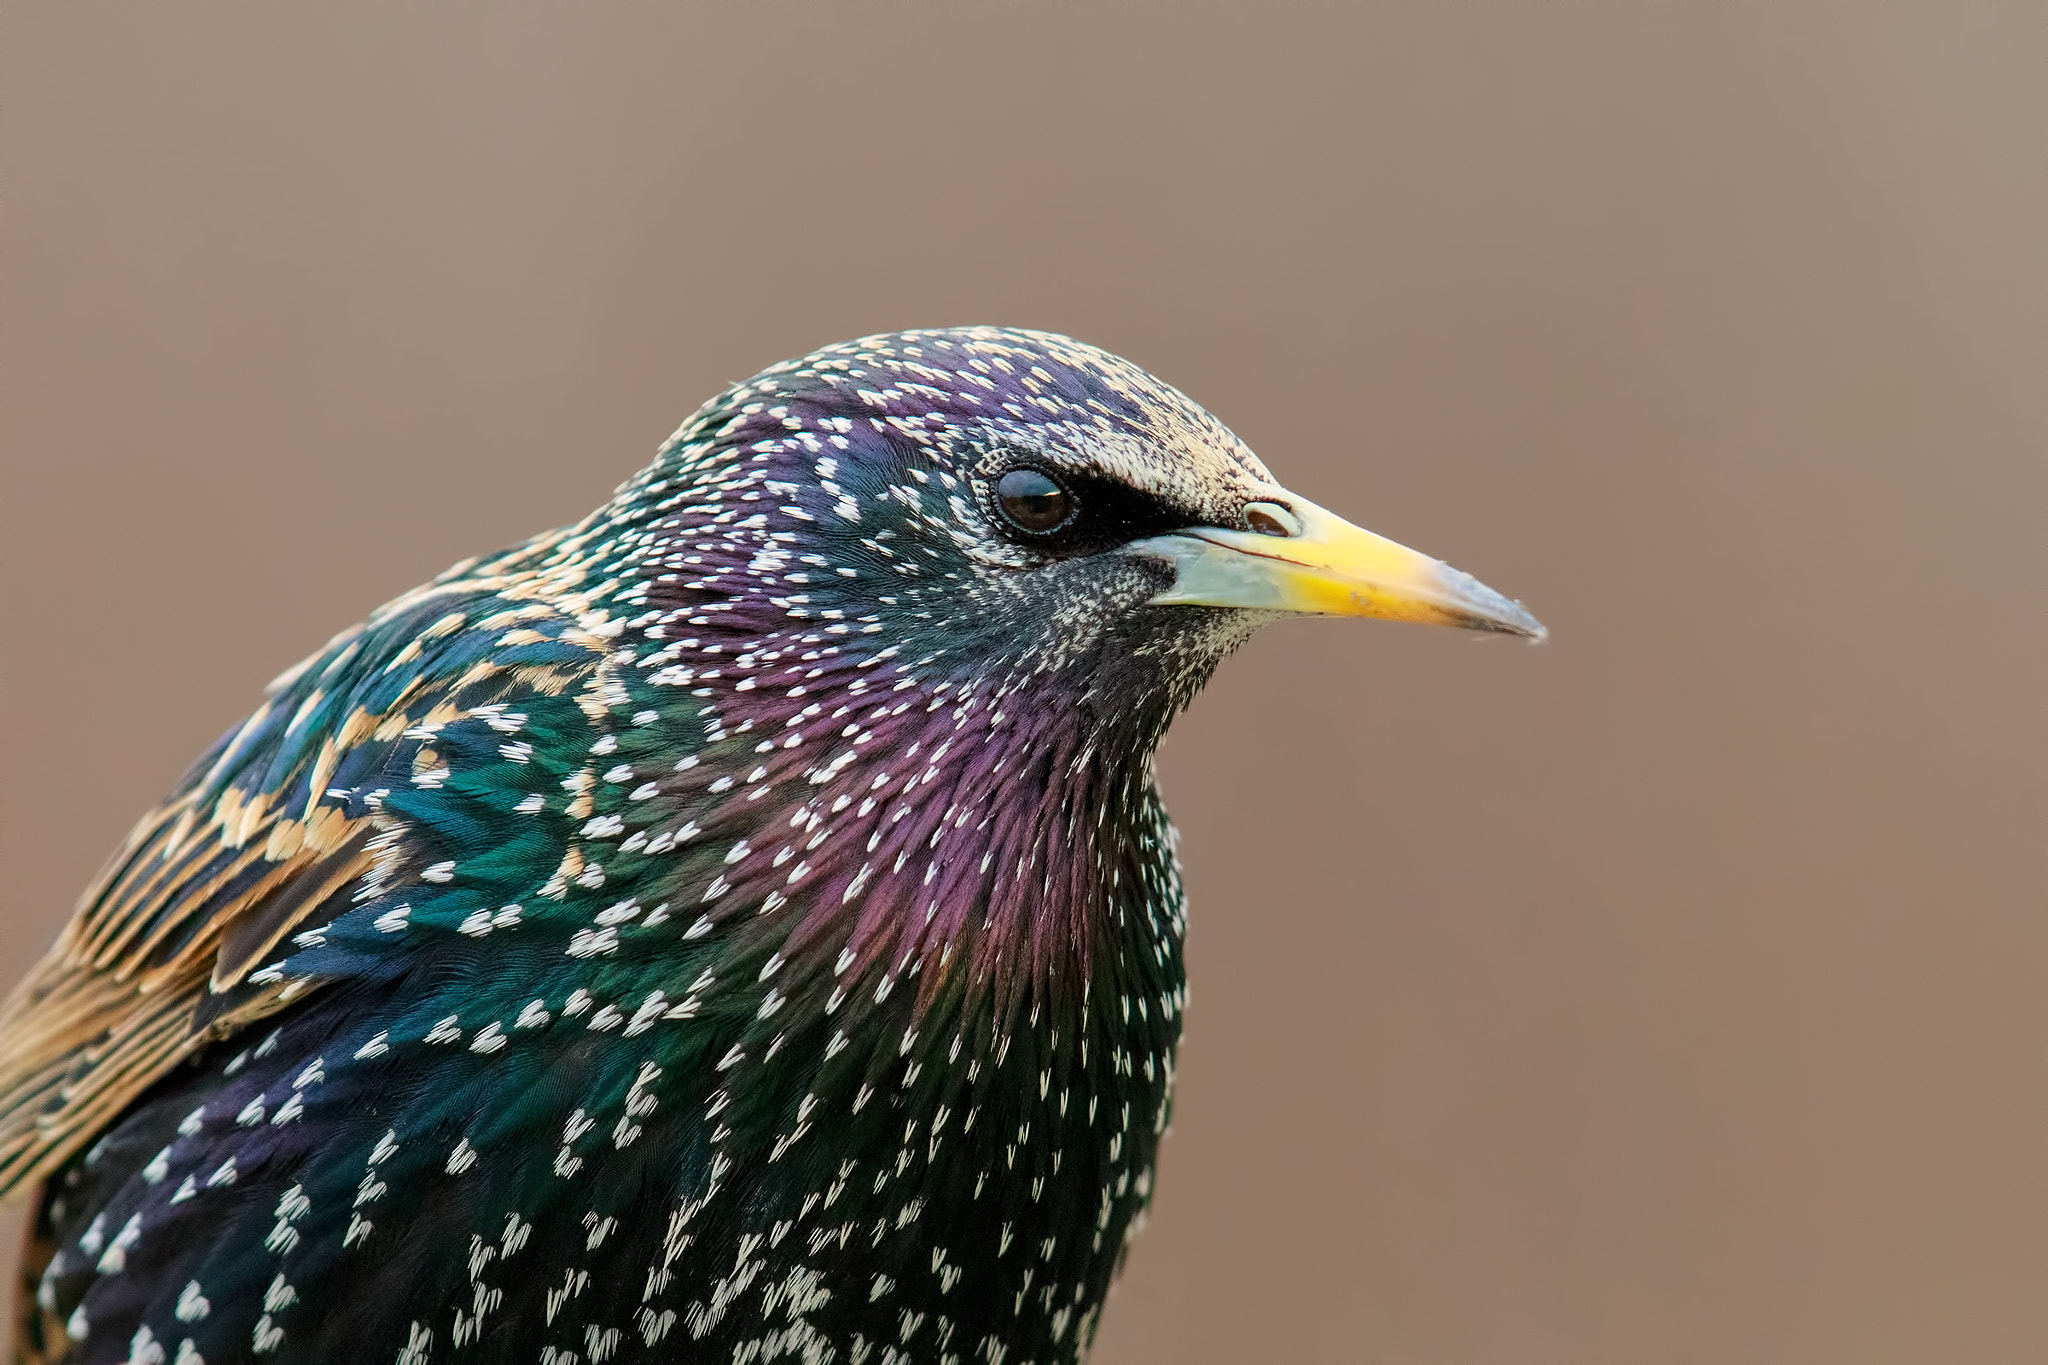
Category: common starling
<point>738,927</point>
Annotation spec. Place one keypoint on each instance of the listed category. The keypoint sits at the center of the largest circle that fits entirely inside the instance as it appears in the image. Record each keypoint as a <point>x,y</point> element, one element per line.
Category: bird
<point>741,925</point>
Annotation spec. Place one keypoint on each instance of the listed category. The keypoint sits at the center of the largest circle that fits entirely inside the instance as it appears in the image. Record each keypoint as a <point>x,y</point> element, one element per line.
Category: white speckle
<point>115,1259</point>
<point>652,1008</point>
<point>593,942</point>
<point>619,913</point>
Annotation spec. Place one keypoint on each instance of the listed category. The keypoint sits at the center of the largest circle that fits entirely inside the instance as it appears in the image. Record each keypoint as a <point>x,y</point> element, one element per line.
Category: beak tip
<point>1528,627</point>
<point>1520,625</point>
<point>1477,607</point>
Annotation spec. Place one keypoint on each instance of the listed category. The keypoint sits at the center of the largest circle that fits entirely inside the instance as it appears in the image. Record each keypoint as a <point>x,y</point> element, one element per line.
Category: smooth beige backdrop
<point>1676,993</point>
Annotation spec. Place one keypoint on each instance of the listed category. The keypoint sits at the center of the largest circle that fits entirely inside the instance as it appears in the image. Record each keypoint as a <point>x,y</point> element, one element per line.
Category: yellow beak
<point>1314,562</point>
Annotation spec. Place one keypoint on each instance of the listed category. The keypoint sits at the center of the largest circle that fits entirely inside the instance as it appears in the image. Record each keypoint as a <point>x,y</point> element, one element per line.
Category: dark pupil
<point>1031,500</point>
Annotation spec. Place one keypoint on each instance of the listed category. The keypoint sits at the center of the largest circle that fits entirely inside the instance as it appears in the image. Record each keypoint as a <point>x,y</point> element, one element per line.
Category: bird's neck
<point>878,816</point>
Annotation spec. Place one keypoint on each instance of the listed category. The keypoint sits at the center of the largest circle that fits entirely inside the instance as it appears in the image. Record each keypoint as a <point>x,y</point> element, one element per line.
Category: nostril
<point>1272,519</point>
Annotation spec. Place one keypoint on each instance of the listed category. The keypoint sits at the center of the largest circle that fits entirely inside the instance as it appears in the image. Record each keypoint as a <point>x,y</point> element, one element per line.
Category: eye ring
<point>1033,501</point>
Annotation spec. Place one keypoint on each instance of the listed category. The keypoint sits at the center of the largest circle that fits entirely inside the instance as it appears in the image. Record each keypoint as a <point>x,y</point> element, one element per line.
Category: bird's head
<point>1008,510</point>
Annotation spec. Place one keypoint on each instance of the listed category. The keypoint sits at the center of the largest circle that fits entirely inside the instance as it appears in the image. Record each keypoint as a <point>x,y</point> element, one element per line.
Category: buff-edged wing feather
<point>273,829</point>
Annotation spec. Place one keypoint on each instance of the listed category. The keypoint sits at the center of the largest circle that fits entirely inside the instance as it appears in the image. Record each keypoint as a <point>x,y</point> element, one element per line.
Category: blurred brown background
<point>1671,994</point>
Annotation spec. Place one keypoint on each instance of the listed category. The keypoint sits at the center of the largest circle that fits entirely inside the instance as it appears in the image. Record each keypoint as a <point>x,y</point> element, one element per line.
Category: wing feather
<point>267,832</point>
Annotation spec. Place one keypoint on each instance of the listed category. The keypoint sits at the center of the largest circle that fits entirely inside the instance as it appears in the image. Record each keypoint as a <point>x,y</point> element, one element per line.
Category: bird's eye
<point>1033,501</point>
